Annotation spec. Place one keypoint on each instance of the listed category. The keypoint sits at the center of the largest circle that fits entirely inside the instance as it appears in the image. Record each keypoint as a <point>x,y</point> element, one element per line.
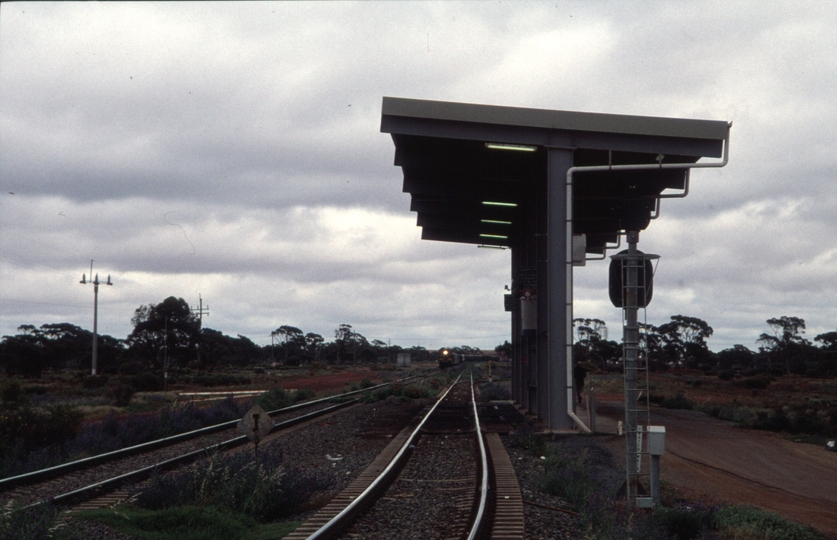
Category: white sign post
<point>256,424</point>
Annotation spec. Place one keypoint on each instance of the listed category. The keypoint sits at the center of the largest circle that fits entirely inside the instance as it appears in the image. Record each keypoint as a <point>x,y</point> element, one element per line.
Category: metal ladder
<point>635,361</point>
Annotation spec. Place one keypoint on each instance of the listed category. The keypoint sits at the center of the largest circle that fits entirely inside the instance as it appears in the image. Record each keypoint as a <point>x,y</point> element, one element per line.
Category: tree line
<point>168,337</point>
<point>681,343</point>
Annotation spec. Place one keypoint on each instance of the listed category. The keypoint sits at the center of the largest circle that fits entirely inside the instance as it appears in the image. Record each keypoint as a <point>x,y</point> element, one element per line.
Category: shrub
<point>759,382</point>
<point>656,399</point>
<point>130,368</point>
<point>525,437</point>
<point>120,394</point>
<point>146,382</point>
<point>59,436</point>
<point>303,394</point>
<point>36,389</point>
<point>277,398</point>
<point>28,429</point>
<point>180,523</point>
<point>417,392</point>
<point>796,420</point>
<point>13,395</point>
<point>33,522</point>
<point>258,485</point>
<point>568,477</point>
<point>677,401</point>
<point>94,381</point>
<point>493,391</point>
<point>686,523</point>
<point>727,375</point>
<point>749,522</point>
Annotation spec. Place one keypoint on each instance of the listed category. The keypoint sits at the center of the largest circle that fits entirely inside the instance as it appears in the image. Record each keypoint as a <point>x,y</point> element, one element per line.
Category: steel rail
<point>345,516</point>
<point>84,463</point>
<point>478,520</point>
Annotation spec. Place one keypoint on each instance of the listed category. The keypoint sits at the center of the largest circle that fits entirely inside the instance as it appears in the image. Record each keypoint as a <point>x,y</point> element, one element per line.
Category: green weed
<point>187,523</point>
<point>748,523</point>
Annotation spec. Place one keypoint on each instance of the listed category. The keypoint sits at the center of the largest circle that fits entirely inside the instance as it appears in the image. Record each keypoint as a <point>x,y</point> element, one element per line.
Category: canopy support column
<point>558,320</point>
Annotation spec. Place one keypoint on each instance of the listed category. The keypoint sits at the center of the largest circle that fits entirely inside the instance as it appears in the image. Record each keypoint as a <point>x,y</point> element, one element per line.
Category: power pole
<point>166,355</point>
<point>95,282</point>
<point>201,311</point>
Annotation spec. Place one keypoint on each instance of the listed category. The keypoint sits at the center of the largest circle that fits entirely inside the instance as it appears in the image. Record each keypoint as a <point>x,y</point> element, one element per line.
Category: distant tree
<point>167,330</point>
<point>827,364</point>
<point>360,348</point>
<point>738,357</point>
<point>504,350</point>
<point>589,329</point>
<point>342,338</point>
<point>418,353</point>
<point>380,350</point>
<point>349,342</point>
<point>828,340</point>
<point>23,354</point>
<point>245,352</point>
<point>685,338</point>
<point>651,346</point>
<point>70,346</point>
<point>217,349</point>
<point>590,346</point>
<point>784,346</point>
<point>313,342</point>
<point>292,338</point>
<point>59,346</point>
<point>220,350</point>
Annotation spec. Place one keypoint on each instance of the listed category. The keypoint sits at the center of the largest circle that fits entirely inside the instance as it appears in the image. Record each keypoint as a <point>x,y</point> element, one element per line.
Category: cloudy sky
<point>232,151</point>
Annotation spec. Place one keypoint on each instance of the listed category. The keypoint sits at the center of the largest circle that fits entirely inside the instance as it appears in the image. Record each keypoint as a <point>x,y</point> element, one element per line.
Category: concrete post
<point>591,407</point>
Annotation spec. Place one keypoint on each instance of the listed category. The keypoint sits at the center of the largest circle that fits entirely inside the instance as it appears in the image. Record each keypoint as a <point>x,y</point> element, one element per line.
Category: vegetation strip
<point>145,472</point>
<point>58,470</point>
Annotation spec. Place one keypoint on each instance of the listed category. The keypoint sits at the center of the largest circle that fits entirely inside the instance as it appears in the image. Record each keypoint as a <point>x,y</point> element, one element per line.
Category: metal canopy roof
<point>452,172</point>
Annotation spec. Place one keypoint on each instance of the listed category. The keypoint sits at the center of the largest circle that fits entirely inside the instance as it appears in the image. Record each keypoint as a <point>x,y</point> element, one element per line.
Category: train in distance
<point>448,358</point>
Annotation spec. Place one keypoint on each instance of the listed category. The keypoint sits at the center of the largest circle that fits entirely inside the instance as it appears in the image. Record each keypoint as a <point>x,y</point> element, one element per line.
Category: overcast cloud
<point>232,151</point>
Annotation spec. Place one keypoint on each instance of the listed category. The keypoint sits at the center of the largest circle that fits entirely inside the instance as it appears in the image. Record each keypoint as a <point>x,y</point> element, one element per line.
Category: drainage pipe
<point>569,243</point>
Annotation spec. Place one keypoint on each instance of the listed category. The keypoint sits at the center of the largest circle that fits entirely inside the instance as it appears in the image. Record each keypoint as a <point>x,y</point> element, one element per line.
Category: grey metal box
<point>656,440</point>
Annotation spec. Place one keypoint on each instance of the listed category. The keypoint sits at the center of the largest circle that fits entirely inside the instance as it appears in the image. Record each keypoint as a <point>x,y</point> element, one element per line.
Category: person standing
<point>579,373</point>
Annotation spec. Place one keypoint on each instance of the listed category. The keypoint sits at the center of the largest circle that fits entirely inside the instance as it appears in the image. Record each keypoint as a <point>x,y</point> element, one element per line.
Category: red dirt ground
<point>329,381</point>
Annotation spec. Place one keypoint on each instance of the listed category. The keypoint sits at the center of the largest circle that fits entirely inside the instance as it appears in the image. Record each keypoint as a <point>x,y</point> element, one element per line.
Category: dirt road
<point>716,460</point>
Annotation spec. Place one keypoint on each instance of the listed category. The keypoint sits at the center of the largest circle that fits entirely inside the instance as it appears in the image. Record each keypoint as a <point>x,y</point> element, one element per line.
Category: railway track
<point>439,478</point>
<point>97,476</point>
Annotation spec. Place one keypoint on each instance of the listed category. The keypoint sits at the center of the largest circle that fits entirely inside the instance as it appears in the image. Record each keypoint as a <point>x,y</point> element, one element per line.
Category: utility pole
<point>95,282</point>
<point>166,355</point>
<point>201,311</point>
